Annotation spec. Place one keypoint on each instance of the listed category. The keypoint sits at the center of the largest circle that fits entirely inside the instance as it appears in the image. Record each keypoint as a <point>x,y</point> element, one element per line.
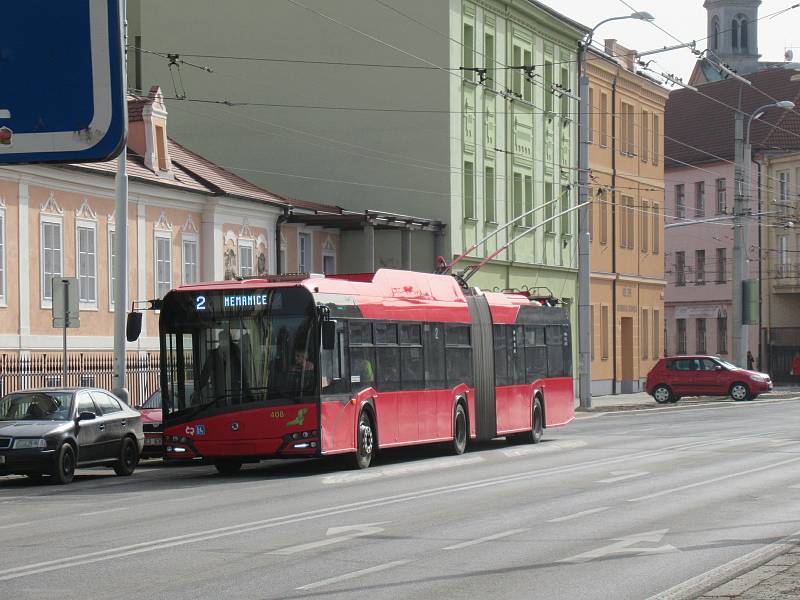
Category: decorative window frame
<point>3,255</point>
<point>190,234</point>
<point>86,218</point>
<point>111,230</point>
<point>310,266</point>
<point>329,251</point>
<point>162,229</point>
<point>246,239</point>
<point>49,212</point>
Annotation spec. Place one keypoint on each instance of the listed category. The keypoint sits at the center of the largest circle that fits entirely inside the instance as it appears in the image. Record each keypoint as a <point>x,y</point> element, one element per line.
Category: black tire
<point>739,392</point>
<point>64,468</point>
<point>534,436</point>
<point>128,458</point>
<point>460,433</point>
<point>365,442</point>
<point>662,394</point>
<point>228,466</point>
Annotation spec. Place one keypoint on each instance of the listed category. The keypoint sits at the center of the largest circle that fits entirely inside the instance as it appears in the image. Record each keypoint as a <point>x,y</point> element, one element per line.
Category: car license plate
<point>2,460</point>
<point>152,441</point>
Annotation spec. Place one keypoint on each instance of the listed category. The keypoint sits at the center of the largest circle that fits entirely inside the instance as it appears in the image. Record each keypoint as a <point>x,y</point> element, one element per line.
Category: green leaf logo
<point>298,420</point>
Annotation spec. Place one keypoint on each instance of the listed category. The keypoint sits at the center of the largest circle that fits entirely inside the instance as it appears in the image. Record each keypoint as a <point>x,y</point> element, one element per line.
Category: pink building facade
<point>699,261</point>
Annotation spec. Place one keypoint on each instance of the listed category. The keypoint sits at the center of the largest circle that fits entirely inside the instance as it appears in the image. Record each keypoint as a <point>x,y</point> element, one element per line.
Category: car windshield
<point>153,401</point>
<point>36,406</point>
<point>726,364</point>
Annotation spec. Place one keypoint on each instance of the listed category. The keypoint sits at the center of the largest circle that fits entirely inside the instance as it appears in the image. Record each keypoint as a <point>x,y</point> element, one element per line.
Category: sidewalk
<point>779,578</point>
<point>639,400</point>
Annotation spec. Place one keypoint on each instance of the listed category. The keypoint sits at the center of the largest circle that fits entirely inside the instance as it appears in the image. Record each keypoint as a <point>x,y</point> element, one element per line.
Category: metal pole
<point>121,237</point>
<point>739,351</point>
<point>584,265</point>
<point>65,283</point>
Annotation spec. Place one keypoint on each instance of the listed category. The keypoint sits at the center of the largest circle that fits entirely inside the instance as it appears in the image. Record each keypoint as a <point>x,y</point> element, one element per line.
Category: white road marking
<point>107,510</point>
<point>355,532</point>
<point>796,486</point>
<point>622,476</point>
<point>488,538</point>
<point>697,586</point>
<point>400,470</point>
<point>11,525</point>
<point>781,442</point>
<point>578,515</point>
<point>713,480</point>
<point>240,528</point>
<point>354,574</point>
<point>543,448</point>
<point>626,545</point>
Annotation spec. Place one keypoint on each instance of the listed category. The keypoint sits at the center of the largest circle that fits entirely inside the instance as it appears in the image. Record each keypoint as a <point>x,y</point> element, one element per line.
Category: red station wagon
<point>677,376</point>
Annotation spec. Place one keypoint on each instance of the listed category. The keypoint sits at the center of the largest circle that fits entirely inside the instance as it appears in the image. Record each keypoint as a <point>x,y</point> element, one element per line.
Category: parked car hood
<point>32,428</point>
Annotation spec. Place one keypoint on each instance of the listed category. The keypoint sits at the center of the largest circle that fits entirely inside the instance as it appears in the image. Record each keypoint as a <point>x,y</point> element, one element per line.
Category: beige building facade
<point>626,221</point>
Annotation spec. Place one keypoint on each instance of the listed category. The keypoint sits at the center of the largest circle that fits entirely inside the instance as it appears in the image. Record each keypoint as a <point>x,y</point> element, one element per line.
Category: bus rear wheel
<point>459,430</point>
<point>228,466</point>
<point>534,436</point>
<point>365,444</point>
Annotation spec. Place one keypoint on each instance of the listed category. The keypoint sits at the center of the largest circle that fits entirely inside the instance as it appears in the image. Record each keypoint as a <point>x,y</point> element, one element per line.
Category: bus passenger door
<point>337,413</point>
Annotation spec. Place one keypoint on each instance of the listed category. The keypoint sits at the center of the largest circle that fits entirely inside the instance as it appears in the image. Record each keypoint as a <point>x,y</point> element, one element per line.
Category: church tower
<point>733,33</point>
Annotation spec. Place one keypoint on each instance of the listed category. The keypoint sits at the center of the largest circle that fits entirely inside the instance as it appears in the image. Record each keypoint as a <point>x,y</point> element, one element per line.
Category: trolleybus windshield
<point>228,349</point>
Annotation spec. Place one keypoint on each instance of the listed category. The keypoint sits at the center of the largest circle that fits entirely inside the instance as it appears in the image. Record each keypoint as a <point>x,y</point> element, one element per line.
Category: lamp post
<point>740,229</point>
<point>584,265</point>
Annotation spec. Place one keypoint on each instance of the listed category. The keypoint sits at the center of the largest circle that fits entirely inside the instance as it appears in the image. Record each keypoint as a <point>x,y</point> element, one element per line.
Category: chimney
<point>625,57</point>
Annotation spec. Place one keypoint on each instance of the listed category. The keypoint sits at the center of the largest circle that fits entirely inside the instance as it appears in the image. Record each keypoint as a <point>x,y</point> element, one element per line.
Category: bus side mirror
<point>134,326</point>
<point>328,335</point>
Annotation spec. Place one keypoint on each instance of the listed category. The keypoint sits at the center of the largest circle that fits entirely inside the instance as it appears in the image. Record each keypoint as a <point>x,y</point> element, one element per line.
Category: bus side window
<point>555,352</point>
<point>518,353</point>
<point>433,345</point>
<point>501,354</point>
<point>535,353</point>
<point>362,355</point>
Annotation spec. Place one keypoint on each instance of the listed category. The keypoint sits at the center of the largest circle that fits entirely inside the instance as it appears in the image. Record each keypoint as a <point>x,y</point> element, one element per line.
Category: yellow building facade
<point>626,216</point>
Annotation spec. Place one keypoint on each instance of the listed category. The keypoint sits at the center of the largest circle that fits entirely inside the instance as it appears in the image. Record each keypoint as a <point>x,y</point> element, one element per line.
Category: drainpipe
<point>614,235</point>
<point>278,222</point>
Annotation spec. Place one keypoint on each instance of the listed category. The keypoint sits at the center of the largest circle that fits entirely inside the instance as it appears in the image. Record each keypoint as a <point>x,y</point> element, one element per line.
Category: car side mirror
<point>133,327</point>
<point>86,416</point>
<point>328,335</point>
<point>718,368</point>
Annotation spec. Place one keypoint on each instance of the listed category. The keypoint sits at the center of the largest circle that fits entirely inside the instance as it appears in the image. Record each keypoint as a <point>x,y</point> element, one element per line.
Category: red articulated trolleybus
<point>312,365</point>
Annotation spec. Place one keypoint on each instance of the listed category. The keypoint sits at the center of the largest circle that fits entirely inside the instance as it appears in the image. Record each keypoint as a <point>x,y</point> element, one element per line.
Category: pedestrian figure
<point>750,361</point>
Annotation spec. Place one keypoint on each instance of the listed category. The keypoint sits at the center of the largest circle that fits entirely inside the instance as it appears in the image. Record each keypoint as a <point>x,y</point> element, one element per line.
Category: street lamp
<point>740,231</point>
<point>584,266</point>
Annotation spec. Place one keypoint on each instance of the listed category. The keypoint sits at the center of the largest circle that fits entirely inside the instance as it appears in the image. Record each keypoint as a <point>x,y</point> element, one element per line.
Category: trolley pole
<point>584,264</point>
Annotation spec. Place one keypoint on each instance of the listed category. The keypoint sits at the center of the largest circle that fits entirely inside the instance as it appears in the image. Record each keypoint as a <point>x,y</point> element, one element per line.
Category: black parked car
<point>52,431</point>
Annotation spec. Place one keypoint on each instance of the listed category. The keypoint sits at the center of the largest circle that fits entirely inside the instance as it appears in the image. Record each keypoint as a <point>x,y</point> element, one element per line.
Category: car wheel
<point>739,392</point>
<point>228,466</point>
<point>128,458</point>
<point>459,430</point>
<point>365,443</point>
<point>534,436</point>
<point>662,394</point>
<point>64,469</point>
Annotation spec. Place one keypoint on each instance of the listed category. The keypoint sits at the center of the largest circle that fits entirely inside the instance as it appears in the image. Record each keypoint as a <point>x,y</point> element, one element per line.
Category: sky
<point>684,19</point>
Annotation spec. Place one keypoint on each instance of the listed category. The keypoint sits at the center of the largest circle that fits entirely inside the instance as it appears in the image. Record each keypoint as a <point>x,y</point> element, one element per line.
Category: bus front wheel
<point>459,430</point>
<point>534,436</point>
<point>365,444</point>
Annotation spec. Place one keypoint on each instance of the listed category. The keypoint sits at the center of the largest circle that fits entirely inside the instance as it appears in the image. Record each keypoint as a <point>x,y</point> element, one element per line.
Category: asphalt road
<point>615,505</point>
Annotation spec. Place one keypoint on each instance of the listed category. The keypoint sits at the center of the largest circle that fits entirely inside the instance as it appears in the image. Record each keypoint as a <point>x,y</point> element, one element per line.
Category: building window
<point>604,332</point>
<point>680,268</point>
<point>603,218</point>
<point>189,260</point>
<point>87,264</point>
<point>680,335</point>
<point>656,138</point>
<point>163,253</point>
<point>245,259</point>
<point>699,267</point>
<point>644,145</point>
<point>743,33</point>
<point>735,33</point>
<point>714,42</point>
<point>590,215</point>
<point>721,196</point>
<point>548,85</point>
<point>161,149</point>
<point>626,129</point>
<point>592,323</point>
<point>2,257</point>
<point>656,229</point>
<point>527,86</point>
<point>564,85</point>
<point>680,201</point>
<point>52,256</point>
<point>700,199</point>
<point>469,190</point>
<point>548,209</point>
<point>631,223</point>
<point>304,254</point>
<point>488,51</point>
<point>516,74</point>
<point>645,227</point>
<point>631,136</point>
<point>529,201</point>
<point>328,264</point>
<point>644,329</point>
<point>783,192</point>
<point>603,120</point>
<point>783,256</point>
<point>656,330</point>
<point>721,264</point>
<point>590,110</point>
<point>112,269</point>
<point>722,335</point>
<point>701,336</point>
<point>489,212</point>
<point>566,217</point>
<point>468,59</point>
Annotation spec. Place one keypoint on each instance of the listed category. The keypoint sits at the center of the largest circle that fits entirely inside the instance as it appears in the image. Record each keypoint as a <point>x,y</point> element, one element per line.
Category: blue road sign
<point>61,74</point>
